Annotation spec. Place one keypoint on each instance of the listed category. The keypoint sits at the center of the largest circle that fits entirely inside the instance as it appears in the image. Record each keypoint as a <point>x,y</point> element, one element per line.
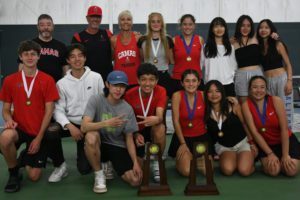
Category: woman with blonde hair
<point>124,48</point>
<point>156,47</point>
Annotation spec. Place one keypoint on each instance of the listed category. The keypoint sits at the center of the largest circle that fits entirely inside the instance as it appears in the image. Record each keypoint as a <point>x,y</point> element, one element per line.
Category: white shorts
<point>243,145</point>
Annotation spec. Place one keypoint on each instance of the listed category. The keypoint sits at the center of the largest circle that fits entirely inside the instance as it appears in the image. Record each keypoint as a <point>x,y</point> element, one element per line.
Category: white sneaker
<point>58,173</point>
<point>100,182</point>
<point>155,171</point>
<point>108,169</point>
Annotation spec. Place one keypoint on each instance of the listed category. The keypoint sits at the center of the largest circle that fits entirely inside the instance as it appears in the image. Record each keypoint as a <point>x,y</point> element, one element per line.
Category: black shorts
<point>164,80</point>
<point>177,85</point>
<point>37,160</point>
<point>146,132</point>
<point>294,149</point>
<point>119,157</point>
<point>174,145</point>
<point>229,90</point>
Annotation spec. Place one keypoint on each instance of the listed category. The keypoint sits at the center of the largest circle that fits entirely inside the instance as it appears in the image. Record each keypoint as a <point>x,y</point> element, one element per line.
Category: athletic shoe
<point>108,169</point>
<point>58,173</point>
<point>100,182</point>
<point>155,171</point>
<point>13,183</point>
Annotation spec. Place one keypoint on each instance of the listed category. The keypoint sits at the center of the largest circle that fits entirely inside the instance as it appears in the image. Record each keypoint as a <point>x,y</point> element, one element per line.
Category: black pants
<point>55,150</point>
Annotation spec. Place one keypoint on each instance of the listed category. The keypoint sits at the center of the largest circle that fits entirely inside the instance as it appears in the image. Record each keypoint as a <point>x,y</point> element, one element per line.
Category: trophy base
<point>193,190</point>
<point>154,190</point>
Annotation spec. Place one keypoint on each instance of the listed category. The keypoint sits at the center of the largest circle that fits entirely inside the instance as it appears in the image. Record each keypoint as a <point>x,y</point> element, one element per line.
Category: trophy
<point>192,188</point>
<point>161,189</point>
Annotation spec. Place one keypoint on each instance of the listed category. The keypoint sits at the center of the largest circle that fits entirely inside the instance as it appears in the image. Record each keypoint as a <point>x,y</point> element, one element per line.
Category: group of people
<point>113,111</point>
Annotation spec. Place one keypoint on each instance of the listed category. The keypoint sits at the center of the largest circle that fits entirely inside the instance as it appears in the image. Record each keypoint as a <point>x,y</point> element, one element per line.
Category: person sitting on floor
<point>109,124</point>
<point>32,93</point>
<point>148,101</point>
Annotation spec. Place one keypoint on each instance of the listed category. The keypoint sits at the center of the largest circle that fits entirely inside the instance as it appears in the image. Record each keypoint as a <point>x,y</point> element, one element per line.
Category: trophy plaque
<point>161,189</point>
<point>192,188</point>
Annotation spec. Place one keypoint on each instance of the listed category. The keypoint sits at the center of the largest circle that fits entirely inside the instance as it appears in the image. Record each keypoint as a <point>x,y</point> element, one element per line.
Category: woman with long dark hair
<point>187,50</point>
<point>218,57</point>
<point>188,118</point>
<point>247,53</point>
<point>279,148</point>
<point>225,123</point>
<point>273,52</point>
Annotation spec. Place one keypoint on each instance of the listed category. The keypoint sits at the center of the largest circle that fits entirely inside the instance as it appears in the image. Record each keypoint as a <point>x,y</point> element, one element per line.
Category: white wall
<point>74,11</point>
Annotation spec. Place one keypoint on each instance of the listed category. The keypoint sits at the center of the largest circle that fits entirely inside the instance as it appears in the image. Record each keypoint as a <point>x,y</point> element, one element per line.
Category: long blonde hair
<point>163,36</point>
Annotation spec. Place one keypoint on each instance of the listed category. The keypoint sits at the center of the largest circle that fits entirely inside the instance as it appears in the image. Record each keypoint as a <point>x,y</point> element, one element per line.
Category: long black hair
<point>210,49</point>
<point>224,102</point>
<point>239,23</point>
<point>272,51</point>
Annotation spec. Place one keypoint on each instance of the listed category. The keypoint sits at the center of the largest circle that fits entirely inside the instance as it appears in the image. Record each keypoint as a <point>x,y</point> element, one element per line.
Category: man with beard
<point>52,59</point>
<point>96,42</point>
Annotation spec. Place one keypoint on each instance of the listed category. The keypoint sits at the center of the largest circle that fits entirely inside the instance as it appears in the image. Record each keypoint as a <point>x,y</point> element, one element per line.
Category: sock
<point>13,171</point>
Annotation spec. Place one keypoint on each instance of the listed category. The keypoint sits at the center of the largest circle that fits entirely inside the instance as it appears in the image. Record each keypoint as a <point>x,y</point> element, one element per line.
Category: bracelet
<point>251,141</point>
<point>270,153</point>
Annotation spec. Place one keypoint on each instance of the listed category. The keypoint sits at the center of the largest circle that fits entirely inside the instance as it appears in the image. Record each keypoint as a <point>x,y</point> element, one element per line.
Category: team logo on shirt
<point>199,107</point>
<point>19,84</point>
<point>138,105</point>
<point>270,114</point>
<point>126,53</point>
<point>49,52</point>
<point>88,88</point>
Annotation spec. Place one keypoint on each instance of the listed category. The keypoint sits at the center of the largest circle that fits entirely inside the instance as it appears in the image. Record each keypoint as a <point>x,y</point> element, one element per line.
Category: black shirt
<point>98,51</point>
<point>52,58</point>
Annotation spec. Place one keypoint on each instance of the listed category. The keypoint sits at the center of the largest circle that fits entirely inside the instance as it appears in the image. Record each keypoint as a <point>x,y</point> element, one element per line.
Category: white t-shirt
<point>221,68</point>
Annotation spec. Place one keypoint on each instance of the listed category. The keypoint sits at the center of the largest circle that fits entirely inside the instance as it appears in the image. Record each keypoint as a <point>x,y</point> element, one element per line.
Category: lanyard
<point>220,119</point>
<point>188,107</point>
<point>149,102</point>
<point>155,50</point>
<point>188,50</point>
<point>28,92</point>
<point>262,117</point>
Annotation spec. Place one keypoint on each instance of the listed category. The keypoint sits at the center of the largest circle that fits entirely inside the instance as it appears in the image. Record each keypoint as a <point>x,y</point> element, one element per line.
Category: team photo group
<point>110,94</point>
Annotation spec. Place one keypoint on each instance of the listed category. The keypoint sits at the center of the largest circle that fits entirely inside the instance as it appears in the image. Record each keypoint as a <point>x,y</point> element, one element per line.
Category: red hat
<point>94,10</point>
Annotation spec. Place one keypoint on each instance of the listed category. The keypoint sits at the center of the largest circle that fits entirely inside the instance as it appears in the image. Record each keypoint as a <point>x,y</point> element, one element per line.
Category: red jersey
<point>29,118</point>
<point>199,127</point>
<point>158,100</point>
<point>272,134</point>
<point>127,58</point>
<point>180,54</point>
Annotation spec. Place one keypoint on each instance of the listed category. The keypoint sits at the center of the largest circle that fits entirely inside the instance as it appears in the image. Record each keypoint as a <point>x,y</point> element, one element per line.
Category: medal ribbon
<point>262,117</point>
<point>188,50</point>
<point>28,92</point>
<point>155,50</point>
<point>188,107</point>
<point>149,102</point>
<point>220,119</point>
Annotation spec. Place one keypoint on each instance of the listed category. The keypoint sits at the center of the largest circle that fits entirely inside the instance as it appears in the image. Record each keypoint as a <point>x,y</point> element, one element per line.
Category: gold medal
<point>155,60</point>
<point>190,125</point>
<point>263,129</point>
<point>28,102</point>
<point>188,58</point>
<point>220,134</point>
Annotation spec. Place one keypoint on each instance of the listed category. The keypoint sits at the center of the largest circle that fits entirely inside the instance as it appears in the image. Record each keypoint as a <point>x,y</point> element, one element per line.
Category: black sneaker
<point>13,183</point>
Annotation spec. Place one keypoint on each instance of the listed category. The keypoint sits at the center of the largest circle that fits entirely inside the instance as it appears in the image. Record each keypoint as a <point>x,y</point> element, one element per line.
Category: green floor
<point>75,186</point>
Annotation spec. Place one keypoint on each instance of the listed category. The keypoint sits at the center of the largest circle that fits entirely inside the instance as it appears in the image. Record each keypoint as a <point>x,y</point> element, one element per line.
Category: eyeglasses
<point>45,25</point>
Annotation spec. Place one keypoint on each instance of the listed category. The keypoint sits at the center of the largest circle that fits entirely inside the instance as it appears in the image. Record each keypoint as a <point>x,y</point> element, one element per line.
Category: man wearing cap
<point>96,42</point>
<point>109,123</point>
<point>52,59</point>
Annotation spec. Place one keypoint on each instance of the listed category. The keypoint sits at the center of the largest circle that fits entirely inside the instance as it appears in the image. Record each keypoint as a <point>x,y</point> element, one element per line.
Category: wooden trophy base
<point>205,189</point>
<point>154,190</point>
